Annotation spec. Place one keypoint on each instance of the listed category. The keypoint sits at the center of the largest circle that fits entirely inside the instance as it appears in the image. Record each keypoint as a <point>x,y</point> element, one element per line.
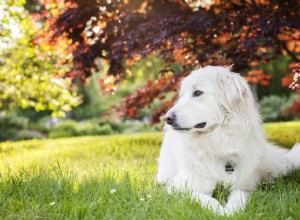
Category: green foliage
<point>28,135</point>
<point>9,18</point>
<point>26,70</point>
<point>144,70</point>
<point>277,68</point>
<point>7,134</point>
<point>13,121</point>
<point>14,127</point>
<point>65,129</point>
<point>272,107</point>
<point>118,127</point>
<point>285,134</point>
<point>40,125</point>
<point>135,126</point>
<point>95,101</point>
<point>72,128</point>
<point>92,103</point>
<point>31,114</point>
<point>72,178</point>
<point>90,128</point>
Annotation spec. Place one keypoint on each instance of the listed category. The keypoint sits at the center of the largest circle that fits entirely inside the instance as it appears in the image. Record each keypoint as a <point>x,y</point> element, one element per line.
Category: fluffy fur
<point>194,158</point>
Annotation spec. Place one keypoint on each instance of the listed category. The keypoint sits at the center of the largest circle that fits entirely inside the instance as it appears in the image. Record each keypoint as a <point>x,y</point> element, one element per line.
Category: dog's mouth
<point>178,128</point>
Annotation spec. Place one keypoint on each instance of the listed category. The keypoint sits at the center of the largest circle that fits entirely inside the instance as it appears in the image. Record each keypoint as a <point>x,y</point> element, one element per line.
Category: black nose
<point>170,119</point>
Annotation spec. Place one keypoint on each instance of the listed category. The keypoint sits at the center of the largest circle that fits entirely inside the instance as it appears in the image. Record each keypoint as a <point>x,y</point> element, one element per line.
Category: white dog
<point>213,134</point>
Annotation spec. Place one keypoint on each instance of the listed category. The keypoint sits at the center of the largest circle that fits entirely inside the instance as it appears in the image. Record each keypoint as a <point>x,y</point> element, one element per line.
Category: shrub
<point>105,130</point>
<point>65,129</point>
<point>72,128</point>
<point>41,125</point>
<point>90,128</point>
<point>10,124</point>
<point>285,134</point>
<point>15,135</point>
<point>13,122</point>
<point>83,112</point>
<point>134,126</point>
<point>28,135</point>
<point>272,107</point>
<point>7,134</point>
<point>117,127</point>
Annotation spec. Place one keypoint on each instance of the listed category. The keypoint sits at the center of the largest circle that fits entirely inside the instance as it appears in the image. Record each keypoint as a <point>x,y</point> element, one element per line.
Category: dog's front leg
<point>188,181</point>
<point>237,202</point>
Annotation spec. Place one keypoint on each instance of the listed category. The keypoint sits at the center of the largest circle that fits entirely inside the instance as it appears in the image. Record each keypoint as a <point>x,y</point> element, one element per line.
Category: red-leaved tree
<point>121,32</point>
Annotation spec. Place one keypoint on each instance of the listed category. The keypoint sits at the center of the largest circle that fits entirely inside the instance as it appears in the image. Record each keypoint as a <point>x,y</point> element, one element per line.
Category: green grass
<point>72,178</point>
<point>284,133</point>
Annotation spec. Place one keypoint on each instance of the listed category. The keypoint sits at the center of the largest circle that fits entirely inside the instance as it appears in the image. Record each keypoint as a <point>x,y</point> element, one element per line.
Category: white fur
<point>194,160</point>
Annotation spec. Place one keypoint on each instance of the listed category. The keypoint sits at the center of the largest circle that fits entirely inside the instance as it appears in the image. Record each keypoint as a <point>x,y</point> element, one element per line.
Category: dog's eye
<point>197,93</point>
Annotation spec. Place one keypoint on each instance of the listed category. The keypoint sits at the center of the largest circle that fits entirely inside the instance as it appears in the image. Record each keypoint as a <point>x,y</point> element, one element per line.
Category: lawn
<point>112,177</point>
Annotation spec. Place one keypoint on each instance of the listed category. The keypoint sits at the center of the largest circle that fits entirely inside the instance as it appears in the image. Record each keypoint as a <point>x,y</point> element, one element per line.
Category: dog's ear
<point>234,91</point>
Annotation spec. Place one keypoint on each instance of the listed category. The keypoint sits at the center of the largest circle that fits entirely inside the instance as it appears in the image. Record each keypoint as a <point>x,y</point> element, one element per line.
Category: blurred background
<point>93,67</point>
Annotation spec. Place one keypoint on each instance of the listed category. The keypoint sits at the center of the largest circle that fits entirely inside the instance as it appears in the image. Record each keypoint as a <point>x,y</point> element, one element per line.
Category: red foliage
<point>293,81</point>
<point>258,76</point>
<point>143,97</point>
<point>162,109</point>
<point>227,32</point>
<point>294,109</point>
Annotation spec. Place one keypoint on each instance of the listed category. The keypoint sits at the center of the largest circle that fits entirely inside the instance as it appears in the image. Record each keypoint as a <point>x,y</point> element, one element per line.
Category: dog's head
<point>206,97</point>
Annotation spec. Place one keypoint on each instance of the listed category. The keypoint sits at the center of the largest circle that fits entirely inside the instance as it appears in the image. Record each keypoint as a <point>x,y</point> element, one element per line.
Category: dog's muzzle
<point>171,120</point>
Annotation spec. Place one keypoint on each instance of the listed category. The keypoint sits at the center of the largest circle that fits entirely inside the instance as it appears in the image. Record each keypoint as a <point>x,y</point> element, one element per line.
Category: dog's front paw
<point>236,202</point>
<point>231,209</point>
<point>209,202</point>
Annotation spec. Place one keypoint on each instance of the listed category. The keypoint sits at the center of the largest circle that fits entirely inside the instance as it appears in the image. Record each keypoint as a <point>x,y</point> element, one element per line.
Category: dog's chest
<point>220,168</point>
